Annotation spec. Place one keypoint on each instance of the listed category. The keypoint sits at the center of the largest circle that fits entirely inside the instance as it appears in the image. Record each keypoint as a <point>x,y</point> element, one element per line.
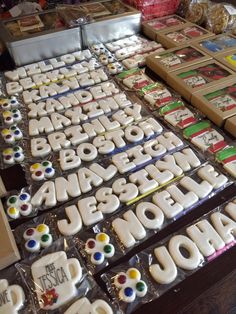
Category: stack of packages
<point>154,8</point>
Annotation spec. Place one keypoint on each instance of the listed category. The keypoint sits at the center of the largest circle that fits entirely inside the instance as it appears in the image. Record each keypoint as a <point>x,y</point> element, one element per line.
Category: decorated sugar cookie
<point>115,68</point>
<point>12,134</point>
<point>12,298</point>
<point>134,79</point>
<point>19,205</point>
<point>100,248</point>
<point>205,137</point>
<point>84,306</point>
<point>156,94</point>
<point>12,116</point>
<point>178,115</point>
<point>13,155</point>
<point>55,277</point>
<point>130,285</point>
<point>8,104</point>
<point>41,171</point>
<point>37,238</point>
<point>227,157</point>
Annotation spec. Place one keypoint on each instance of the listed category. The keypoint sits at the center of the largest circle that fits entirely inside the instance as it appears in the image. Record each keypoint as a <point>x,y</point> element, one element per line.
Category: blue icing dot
<point>48,170</point>
<point>23,197</point>
<point>17,132</point>
<point>128,292</point>
<point>17,155</point>
<point>13,101</point>
<point>97,256</point>
<point>15,115</point>
<point>31,243</point>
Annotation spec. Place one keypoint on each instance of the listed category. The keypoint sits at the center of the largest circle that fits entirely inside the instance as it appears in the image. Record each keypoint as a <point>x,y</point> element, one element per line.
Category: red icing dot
<point>91,244</point>
<point>8,136</point>
<point>8,157</point>
<point>38,173</point>
<point>24,207</point>
<point>122,279</point>
<point>30,232</point>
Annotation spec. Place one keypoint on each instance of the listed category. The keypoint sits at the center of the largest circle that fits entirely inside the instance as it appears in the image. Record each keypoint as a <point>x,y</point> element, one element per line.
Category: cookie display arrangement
<point>115,173</point>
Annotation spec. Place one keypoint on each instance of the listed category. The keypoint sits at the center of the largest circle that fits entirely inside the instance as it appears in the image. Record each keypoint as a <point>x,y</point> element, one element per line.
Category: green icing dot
<point>12,200</point>
<point>45,163</point>
<point>16,148</point>
<point>45,238</point>
<point>140,286</point>
<point>107,249</point>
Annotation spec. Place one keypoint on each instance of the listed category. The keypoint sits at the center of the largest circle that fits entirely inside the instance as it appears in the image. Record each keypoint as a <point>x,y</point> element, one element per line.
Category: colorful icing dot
<point>102,237</point>
<point>12,200</point>
<point>31,243</point>
<point>97,256</point>
<point>122,279</point>
<point>140,286</point>
<point>12,210</point>
<point>91,244</point>
<point>45,163</point>
<point>133,274</point>
<point>128,292</point>
<point>24,207</point>
<point>35,166</point>
<point>23,197</point>
<point>45,238</point>
<point>30,232</point>
<point>41,228</point>
<point>107,248</point>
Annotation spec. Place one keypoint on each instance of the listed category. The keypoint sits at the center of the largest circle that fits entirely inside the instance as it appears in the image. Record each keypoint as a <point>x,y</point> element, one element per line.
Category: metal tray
<point>41,45</point>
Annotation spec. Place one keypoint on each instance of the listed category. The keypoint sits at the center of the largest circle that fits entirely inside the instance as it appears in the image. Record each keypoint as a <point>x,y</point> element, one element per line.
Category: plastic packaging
<point>182,253</point>
<point>73,15</point>
<point>55,278</point>
<point>14,295</point>
<point>134,79</point>
<point>198,11</point>
<point>221,17</point>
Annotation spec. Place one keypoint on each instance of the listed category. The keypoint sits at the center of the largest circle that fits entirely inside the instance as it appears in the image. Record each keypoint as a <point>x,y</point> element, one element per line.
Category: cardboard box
<point>182,35</point>
<point>218,103</point>
<point>9,253</point>
<point>217,44</point>
<point>198,77</point>
<point>228,59</point>
<point>152,27</point>
<point>165,62</point>
<point>230,126</point>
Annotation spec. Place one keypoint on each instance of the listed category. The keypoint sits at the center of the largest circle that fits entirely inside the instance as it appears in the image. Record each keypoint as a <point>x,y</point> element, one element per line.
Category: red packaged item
<point>154,8</point>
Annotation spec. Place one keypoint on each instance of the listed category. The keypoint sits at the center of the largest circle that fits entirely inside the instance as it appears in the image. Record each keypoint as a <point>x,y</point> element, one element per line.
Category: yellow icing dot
<point>8,151</point>
<point>133,274</point>
<point>41,228</point>
<point>5,132</point>
<point>12,210</point>
<point>6,114</point>
<point>102,237</point>
<point>35,166</point>
<point>3,101</point>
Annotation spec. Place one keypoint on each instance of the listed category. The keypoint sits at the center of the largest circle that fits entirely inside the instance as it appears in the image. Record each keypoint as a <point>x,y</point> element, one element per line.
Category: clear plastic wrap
<point>227,159</point>
<point>73,15</point>
<point>14,294</point>
<point>55,278</point>
<point>134,79</point>
<point>129,285</point>
<point>178,256</point>
<point>198,11</point>
<point>221,17</point>
<point>140,221</point>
